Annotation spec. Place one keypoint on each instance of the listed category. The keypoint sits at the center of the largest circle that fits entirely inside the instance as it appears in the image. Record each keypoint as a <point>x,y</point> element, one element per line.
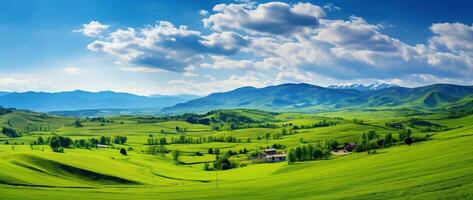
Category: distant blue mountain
<point>83,100</point>
<point>4,93</point>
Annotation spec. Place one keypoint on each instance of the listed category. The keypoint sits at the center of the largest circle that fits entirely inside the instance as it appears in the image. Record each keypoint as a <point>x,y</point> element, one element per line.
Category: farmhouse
<point>270,152</point>
<point>276,158</point>
<point>271,155</point>
<point>350,146</point>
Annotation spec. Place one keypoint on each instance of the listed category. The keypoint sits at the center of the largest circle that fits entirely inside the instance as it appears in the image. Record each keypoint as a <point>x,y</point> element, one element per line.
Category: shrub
<point>123,151</point>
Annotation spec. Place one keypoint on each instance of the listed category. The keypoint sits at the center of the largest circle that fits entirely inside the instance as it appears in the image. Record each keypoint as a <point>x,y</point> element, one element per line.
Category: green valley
<point>218,156</point>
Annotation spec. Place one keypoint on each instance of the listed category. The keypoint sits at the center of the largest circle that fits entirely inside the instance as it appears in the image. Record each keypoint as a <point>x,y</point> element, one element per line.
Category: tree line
<point>182,139</point>
<point>309,152</point>
<point>58,143</point>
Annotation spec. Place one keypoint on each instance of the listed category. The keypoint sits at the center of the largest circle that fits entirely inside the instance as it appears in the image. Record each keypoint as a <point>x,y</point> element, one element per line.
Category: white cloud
<point>16,81</point>
<point>331,7</point>
<point>203,12</point>
<point>167,47</point>
<point>457,37</point>
<point>71,70</point>
<point>142,69</point>
<point>288,43</point>
<point>271,18</point>
<point>93,29</point>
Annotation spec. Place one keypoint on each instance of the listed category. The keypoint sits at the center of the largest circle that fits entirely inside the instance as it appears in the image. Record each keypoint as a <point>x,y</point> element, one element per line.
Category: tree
<point>123,151</point>
<point>299,153</point>
<point>77,123</point>
<point>305,153</point>
<point>10,132</point>
<point>284,131</point>
<point>408,141</point>
<point>176,154</point>
<point>104,140</point>
<point>163,150</point>
<point>388,139</point>
<point>55,144</point>
<point>119,139</point>
<point>40,140</point>
<point>291,156</point>
<point>211,151</point>
<point>207,167</point>
<point>267,136</point>
<point>162,141</point>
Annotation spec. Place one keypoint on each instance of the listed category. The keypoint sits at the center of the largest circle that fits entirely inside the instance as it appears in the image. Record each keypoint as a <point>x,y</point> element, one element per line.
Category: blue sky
<point>199,47</point>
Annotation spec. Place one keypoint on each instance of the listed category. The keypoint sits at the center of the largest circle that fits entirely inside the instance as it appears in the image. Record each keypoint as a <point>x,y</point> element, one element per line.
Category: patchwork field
<point>438,167</point>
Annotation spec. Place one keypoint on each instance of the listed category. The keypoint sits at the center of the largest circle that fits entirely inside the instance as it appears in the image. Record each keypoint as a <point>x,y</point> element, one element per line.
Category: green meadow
<point>437,165</point>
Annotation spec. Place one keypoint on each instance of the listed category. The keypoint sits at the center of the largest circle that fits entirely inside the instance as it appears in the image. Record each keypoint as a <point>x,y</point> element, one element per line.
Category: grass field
<point>439,168</point>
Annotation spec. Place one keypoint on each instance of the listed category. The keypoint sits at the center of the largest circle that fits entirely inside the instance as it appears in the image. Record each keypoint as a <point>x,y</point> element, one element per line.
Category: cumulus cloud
<point>272,18</point>
<point>167,47</point>
<point>289,42</point>
<point>93,29</point>
<point>457,37</point>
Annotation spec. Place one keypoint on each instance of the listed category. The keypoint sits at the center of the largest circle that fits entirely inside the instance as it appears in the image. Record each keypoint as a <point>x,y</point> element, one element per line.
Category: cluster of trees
<point>181,129</point>
<point>358,121</point>
<point>158,150</point>
<point>58,143</point>
<point>370,141</point>
<point>120,139</point>
<point>98,119</point>
<point>29,128</point>
<point>275,146</point>
<point>222,161</point>
<point>154,141</point>
<point>323,123</point>
<point>5,110</point>
<point>10,132</point>
<point>78,124</point>
<point>232,126</point>
<point>309,152</point>
<point>148,120</point>
<point>393,124</point>
<point>229,117</point>
<point>86,143</point>
<point>182,139</point>
<point>105,140</point>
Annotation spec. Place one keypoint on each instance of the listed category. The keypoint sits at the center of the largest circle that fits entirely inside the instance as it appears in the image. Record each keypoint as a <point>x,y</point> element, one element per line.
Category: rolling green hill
<point>438,168</point>
<point>26,121</point>
<point>306,98</point>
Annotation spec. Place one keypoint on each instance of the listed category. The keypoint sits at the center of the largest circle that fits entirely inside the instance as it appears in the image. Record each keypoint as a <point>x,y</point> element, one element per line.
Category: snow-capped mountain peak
<point>361,87</point>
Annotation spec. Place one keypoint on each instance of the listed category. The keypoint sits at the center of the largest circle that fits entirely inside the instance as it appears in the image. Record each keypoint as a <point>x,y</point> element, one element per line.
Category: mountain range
<point>285,97</point>
<point>306,97</point>
<point>83,100</point>
<point>361,87</point>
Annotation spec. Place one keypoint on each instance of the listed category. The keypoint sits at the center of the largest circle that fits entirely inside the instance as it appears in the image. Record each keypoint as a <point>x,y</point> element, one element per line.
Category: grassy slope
<point>438,169</point>
<point>22,119</point>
